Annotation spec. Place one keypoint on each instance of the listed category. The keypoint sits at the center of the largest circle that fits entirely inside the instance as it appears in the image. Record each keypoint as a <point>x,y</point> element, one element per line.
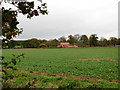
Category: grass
<point>63,68</point>
<point>25,80</point>
<point>68,61</point>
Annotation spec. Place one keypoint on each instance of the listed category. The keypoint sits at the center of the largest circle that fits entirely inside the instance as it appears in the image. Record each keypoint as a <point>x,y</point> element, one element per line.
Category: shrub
<point>42,45</point>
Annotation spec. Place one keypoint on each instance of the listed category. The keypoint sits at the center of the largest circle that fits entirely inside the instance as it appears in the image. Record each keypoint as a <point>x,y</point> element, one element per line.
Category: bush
<point>42,45</point>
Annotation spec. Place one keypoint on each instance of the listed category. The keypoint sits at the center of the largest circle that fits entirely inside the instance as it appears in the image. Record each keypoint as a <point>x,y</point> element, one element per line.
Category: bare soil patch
<point>63,75</point>
<point>100,59</point>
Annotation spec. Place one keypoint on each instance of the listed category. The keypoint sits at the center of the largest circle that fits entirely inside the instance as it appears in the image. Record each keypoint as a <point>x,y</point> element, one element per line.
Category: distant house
<point>66,45</point>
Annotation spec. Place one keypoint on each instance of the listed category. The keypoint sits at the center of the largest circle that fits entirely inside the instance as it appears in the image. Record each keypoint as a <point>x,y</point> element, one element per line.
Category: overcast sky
<point>69,17</point>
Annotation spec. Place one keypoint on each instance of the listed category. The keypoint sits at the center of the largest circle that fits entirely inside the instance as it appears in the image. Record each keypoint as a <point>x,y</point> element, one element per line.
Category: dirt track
<point>73,76</point>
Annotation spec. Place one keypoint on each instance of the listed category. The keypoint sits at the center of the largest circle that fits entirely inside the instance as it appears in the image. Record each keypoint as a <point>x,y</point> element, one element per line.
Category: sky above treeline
<point>70,17</point>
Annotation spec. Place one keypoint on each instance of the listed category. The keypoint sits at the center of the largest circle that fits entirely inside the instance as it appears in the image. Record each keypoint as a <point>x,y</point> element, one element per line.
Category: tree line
<point>79,40</point>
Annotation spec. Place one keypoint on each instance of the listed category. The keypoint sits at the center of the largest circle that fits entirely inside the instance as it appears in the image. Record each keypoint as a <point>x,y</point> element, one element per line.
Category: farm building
<point>66,45</point>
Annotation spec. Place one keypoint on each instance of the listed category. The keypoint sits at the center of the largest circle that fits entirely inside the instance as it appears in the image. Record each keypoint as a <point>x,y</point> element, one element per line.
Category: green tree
<point>19,43</point>
<point>118,41</point>
<point>4,45</point>
<point>52,43</point>
<point>84,40</point>
<point>62,39</point>
<point>103,42</point>
<point>9,17</point>
<point>31,43</point>
<point>93,40</point>
<point>76,38</point>
<point>113,41</point>
<point>71,39</point>
<point>26,44</point>
<point>11,44</point>
<point>34,43</point>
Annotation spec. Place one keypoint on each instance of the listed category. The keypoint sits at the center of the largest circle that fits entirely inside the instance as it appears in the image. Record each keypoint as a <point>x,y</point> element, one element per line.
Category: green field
<point>91,62</point>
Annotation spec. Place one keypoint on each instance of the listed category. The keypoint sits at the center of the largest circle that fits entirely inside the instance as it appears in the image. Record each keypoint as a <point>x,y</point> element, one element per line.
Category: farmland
<point>99,63</point>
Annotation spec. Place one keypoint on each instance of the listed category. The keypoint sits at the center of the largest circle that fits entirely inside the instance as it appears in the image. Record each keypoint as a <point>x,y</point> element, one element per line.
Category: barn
<point>66,45</point>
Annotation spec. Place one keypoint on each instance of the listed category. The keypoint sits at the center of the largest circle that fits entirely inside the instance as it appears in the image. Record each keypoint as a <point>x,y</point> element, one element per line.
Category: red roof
<point>65,43</point>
